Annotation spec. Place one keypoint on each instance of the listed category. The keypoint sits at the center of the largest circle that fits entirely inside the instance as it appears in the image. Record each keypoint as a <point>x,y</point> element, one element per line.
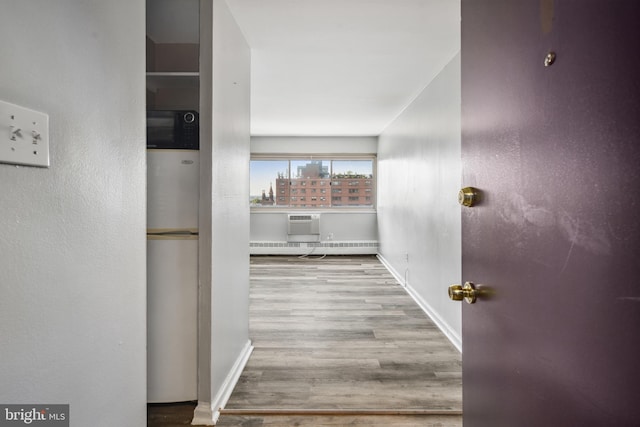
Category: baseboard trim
<point>203,415</point>
<point>392,270</point>
<point>444,327</point>
<point>207,413</point>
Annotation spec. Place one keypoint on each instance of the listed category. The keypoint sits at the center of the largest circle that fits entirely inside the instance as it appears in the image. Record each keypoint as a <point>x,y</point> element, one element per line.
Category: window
<point>291,176</point>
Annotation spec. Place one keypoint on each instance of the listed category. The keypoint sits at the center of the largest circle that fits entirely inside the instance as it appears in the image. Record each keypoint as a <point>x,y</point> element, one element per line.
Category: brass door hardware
<point>549,59</point>
<point>467,292</point>
<point>468,196</point>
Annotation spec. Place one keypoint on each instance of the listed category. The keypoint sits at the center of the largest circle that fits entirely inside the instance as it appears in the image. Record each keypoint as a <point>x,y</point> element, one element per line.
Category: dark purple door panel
<point>556,240</point>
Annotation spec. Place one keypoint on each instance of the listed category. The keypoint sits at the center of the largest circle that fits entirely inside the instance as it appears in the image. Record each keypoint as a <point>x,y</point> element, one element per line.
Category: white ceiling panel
<point>342,67</point>
<point>329,67</point>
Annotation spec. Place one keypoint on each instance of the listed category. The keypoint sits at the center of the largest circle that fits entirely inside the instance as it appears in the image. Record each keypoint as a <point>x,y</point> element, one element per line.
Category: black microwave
<point>171,129</point>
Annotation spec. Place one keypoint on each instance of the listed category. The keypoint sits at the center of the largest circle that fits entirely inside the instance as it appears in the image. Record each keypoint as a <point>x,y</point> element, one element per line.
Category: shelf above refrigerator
<point>156,80</point>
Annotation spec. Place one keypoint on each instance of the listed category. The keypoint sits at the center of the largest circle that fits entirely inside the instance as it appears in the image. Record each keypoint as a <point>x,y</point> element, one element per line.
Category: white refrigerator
<point>172,275</point>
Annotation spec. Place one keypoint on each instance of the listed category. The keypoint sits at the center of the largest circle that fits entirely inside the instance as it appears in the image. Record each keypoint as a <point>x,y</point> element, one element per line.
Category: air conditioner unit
<point>303,227</point>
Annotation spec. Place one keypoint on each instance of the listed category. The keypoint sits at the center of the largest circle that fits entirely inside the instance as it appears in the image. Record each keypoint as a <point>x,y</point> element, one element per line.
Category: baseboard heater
<point>303,227</point>
<point>362,247</point>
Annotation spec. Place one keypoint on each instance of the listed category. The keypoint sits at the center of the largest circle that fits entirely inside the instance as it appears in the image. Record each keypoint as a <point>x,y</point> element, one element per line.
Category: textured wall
<point>314,144</point>
<point>224,210</point>
<point>72,240</point>
<point>418,181</point>
<point>337,226</point>
<point>230,258</point>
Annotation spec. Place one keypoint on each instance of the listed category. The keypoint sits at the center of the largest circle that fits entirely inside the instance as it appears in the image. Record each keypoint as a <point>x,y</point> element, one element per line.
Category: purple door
<point>554,340</point>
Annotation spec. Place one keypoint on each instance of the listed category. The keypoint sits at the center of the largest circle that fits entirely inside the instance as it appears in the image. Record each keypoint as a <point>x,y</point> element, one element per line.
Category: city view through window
<point>323,183</point>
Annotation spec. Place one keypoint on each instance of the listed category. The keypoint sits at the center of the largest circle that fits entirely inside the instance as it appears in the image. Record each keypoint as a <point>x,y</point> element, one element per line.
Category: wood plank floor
<point>341,421</point>
<point>170,414</point>
<point>339,333</point>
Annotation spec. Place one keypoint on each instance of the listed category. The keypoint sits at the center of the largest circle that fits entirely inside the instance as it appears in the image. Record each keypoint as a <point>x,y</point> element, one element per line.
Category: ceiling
<point>333,67</point>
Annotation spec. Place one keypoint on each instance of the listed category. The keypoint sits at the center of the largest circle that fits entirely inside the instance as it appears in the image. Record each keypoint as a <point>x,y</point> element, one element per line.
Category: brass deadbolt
<point>549,59</point>
<point>468,196</point>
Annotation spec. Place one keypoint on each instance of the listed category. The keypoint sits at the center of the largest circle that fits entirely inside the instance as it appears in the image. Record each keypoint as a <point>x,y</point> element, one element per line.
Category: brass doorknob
<point>467,292</point>
<point>468,196</point>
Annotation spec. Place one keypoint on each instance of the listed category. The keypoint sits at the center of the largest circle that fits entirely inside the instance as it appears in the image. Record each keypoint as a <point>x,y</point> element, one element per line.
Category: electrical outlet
<point>406,256</point>
<point>24,136</point>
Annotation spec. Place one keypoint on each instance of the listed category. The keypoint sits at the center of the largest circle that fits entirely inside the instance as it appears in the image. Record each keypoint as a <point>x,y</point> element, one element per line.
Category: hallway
<point>339,334</point>
<point>337,342</point>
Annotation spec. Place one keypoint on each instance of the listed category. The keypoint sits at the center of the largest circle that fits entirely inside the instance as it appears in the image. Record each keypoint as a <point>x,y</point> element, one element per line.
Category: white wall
<point>72,240</point>
<point>270,225</point>
<point>419,176</point>
<point>224,213</point>
<point>314,144</point>
<point>334,226</point>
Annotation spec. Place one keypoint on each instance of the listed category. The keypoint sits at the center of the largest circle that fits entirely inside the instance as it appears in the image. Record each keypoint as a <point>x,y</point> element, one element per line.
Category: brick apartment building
<point>315,187</point>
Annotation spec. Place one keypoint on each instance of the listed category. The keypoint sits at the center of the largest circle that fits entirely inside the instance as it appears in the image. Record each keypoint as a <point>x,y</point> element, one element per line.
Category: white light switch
<point>24,136</point>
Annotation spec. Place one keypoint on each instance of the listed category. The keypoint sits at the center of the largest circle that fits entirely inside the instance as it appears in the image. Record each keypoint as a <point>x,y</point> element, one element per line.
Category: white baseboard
<point>207,413</point>
<point>203,415</point>
<point>392,270</point>
<point>366,247</point>
<point>453,336</point>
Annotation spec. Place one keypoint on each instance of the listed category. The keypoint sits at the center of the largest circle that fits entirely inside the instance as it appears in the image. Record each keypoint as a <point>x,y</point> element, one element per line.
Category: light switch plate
<point>24,136</point>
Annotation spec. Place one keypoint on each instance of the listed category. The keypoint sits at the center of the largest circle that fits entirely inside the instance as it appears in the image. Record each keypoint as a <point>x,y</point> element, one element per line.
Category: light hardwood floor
<point>340,334</point>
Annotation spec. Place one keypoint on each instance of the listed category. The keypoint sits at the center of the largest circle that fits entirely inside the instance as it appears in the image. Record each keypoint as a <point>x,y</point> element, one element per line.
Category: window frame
<point>372,195</point>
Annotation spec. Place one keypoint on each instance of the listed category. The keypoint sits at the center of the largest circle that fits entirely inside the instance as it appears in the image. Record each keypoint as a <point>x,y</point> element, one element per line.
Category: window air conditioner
<point>303,227</point>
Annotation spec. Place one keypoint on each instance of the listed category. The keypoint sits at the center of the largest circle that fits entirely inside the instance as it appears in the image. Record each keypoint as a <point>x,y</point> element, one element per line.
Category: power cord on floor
<point>307,256</point>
